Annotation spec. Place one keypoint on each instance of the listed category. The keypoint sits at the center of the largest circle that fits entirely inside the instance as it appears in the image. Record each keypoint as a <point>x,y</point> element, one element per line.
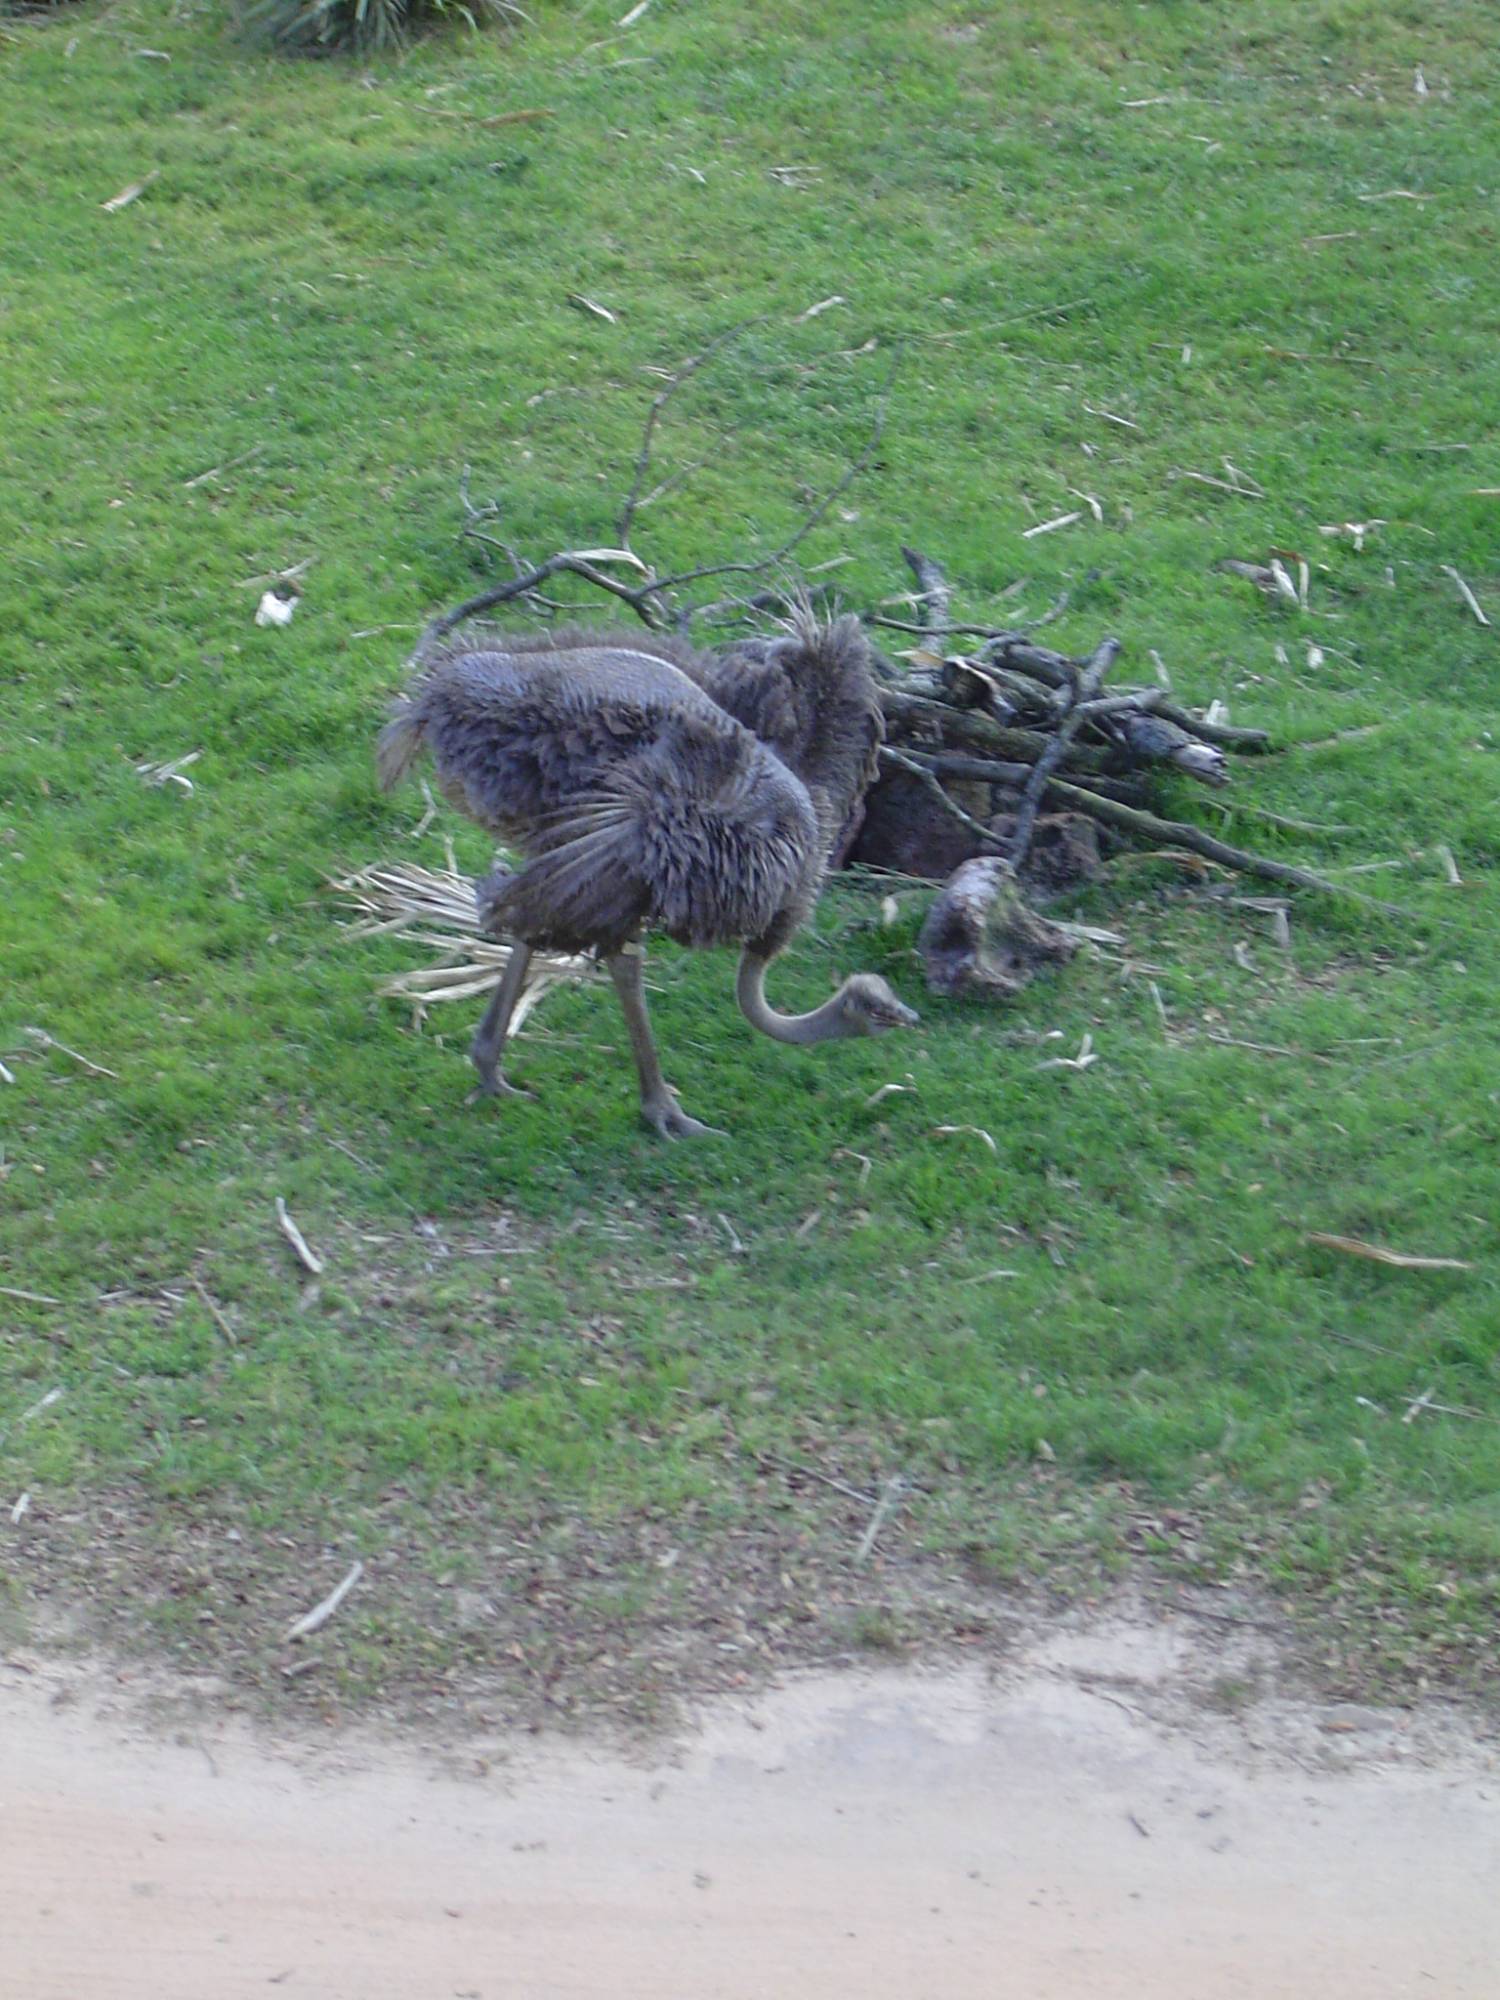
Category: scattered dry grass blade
<point>1375,1253</point>
<point>436,909</point>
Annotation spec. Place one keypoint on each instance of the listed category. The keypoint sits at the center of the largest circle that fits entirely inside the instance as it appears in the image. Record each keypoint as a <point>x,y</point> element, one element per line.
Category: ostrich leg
<point>659,1106</point>
<point>489,1036</point>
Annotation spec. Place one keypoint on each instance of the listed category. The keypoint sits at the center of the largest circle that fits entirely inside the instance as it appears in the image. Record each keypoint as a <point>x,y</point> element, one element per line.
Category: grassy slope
<point>352,274</point>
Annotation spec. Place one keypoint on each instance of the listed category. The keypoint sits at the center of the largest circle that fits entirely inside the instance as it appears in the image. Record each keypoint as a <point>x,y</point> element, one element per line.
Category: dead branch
<point>1179,833</point>
<point>936,596</point>
<point>651,599</point>
<point>659,403</point>
<point>928,780</point>
<point>970,725</point>
<point>992,771</point>
<point>1085,686</point>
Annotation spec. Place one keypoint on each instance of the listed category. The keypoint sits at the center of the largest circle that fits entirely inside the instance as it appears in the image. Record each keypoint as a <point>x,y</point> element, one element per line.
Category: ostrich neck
<point>821,1025</point>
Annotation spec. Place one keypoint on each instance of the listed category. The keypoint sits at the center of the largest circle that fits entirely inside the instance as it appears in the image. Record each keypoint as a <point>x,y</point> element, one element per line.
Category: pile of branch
<point>1032,731</point>
<point>1013,771</point>
<point>1024,766</point>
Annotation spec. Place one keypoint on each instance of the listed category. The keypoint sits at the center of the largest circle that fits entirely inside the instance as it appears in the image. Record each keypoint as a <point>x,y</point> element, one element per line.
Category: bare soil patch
<point>1130,1807</point>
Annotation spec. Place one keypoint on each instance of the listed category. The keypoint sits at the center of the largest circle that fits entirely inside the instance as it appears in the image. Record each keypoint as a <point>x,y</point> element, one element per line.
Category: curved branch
<point>759,567</point>
<point>637,596</point>
<point>929,782</point>
<point>653,417</point>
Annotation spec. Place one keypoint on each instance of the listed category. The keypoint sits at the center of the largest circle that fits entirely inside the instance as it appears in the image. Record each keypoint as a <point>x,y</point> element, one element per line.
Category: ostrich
<point>653,789</point>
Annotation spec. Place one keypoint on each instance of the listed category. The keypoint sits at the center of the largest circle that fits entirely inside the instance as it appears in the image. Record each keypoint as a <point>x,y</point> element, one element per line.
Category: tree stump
<point>982,937</point>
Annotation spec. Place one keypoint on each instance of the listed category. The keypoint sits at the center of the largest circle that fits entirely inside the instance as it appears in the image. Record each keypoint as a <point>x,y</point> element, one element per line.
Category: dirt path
<point>1048,1837</point>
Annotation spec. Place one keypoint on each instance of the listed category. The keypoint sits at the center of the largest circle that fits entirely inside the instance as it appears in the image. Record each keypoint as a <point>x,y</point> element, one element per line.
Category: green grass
<point>347,281</point>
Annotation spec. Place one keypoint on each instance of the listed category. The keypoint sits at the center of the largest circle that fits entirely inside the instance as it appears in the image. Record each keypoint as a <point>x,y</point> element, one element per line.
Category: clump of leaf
<point>363,27</point>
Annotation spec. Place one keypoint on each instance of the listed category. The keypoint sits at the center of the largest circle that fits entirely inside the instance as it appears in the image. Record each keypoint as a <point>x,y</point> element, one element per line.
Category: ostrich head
<point>867,1006</point>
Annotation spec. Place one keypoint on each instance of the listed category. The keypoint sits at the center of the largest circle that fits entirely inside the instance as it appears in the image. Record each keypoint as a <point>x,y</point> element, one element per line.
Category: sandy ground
<point>1075,1830</point>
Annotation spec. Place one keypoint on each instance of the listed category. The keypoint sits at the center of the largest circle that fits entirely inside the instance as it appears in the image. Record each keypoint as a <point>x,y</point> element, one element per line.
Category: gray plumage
<point>651,788</point>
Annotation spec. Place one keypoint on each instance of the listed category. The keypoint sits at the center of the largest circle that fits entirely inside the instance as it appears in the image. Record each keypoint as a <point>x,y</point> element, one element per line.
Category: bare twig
<point>959,1131</point>
<point>46,1041</point>
<point>1284,820</point>
<point>942,631</point>
<point>215,1311</point>
<point>312,1621</point>
<point>735,1245</point>
<point>1221,733</point>
<point>890,1498</point>
<point>822,1478</point>
<point>993,771</point>
<point>653,418</point>
<point>1086,1057</point>
<point>31,1298</point>
<point>1246,488</point>
<point>1048,527</point>
<point>349,1153</point>
<point>297,1240</point>
<point>970,723</point>
<point>649,599</point>
<point>428,816</point>
<point>1374,1253</point>
<point>228,466</point>
<point>809,521</point>
<point>1465,593</point>
<point>1267,1048</point>
<point>1011,319</point>
<point>1423,1402</point>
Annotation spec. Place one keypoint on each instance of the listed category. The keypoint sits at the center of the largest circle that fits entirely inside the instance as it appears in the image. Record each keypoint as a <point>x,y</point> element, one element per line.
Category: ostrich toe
<point>666,1116</point>
<point>493,1083</point>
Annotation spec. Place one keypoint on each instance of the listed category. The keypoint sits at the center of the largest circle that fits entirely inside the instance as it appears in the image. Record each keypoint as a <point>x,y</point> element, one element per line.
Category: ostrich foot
<point>665,1115</point>
<point>493,1083</point>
